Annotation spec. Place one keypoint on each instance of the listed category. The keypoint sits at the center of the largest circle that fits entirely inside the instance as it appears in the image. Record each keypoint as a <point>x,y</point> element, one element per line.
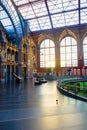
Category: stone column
<point>19,73</point>
<point>26,61</point>
<point>0,68</point>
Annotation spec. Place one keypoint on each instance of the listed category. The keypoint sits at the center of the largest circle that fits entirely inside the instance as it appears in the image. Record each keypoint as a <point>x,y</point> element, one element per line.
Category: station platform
<point>24,106</point>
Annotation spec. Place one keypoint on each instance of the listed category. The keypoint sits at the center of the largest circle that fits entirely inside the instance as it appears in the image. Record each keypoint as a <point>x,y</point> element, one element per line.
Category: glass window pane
<point>74,42</point>
<point>46,57</point>
<point>83,3</point>
<point>52,57</point>
<point>71,18</point>
<point>6,22</point>
<point>74,62</point>
<point>62,63</point>
<point>74,56</point>
<point>52,44</point>
<point>85,50</point>
<point>52,64</point>
<point>42,64</point>
<point>46,43</point>
<point>68,42</point>
<point>44,23</point>
<point>85,62</point>
<point>40,8</point>
<point>85,40</point>
<point>34,25</point>
<point>46,51</point>
<point>49,53</point>
<point>68,49</point>
<point>42,45</point>
<point>42,57</point>
<point>68,63</point>
<point>74,49</point>
<point>85,56</point>
<point>62,57</point>
<point>84,16</point>
<point>52,51</point>
<point>69,57</point>
<point>62,50</point>
<point>20,2</point>
<point>42,51</point>
<point>63,42</point>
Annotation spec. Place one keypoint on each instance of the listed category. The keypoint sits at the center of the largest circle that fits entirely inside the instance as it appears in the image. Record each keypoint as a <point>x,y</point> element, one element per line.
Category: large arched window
<point>85,50</point>
<point>68,52</point>
<point>47,54</point>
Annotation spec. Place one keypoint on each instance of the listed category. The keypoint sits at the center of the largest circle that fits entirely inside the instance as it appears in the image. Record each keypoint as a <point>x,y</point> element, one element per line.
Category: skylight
<point>49,14</point>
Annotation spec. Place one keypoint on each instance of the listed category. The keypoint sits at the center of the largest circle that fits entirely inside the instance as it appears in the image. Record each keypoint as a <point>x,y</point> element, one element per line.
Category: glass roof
<point>42,14</point>
<point>48,14</point>
<point>9,18</point>
<point>6,22</point>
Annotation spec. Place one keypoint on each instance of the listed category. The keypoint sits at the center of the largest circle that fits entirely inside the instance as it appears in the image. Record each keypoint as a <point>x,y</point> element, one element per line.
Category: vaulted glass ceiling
<point>41,14</point>
<point>9,19</point>
<point>6,22</point>
<point>48,14</point>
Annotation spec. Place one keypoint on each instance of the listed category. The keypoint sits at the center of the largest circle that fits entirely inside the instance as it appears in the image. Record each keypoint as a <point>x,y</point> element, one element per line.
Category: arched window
<point>85,50</point>
<point>47,54</point>
<point>68,52</point>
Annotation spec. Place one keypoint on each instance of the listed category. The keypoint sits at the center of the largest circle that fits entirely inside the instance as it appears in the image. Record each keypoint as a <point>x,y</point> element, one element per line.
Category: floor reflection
<point>25,94</point>
<point>25,106</point>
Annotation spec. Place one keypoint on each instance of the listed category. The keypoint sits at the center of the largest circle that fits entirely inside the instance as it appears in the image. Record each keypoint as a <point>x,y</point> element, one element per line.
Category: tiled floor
<point>28,107</point>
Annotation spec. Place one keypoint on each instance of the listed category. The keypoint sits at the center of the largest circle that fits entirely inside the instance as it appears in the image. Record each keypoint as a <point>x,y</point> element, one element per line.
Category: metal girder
<point>29,3</point>
<point>48,13</point>
<point>18,13</point>
<point>9,17</point>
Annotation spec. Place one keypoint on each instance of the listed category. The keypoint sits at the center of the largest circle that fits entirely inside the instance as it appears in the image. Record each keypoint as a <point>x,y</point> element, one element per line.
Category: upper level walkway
<point>28,107</point>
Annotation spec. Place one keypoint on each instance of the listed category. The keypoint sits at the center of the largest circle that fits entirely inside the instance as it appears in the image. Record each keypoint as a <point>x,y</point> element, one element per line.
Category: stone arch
<point>85,35</point>
<point>65,33</point>
<point>42,37</point>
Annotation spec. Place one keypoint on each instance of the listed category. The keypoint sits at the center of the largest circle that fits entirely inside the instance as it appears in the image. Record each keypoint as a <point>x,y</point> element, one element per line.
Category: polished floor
<point>28,107</point>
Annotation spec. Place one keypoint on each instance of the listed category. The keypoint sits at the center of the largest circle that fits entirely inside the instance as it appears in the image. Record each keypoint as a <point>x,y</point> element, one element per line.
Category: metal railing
<point>73,84</point>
